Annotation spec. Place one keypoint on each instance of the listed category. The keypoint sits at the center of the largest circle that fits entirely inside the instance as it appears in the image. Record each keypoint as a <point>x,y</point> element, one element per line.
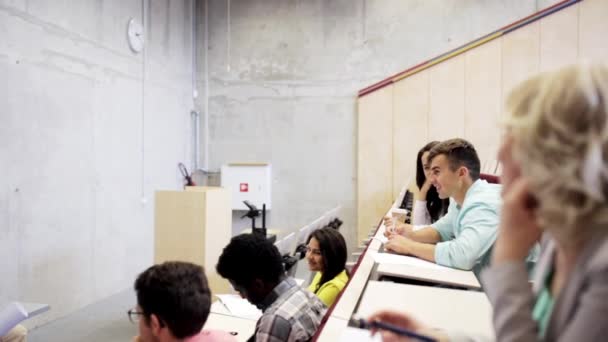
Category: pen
<point>364,324</point>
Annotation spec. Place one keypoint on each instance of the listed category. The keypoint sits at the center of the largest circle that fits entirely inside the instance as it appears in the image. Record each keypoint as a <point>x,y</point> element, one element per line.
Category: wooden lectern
<point>194,225</point>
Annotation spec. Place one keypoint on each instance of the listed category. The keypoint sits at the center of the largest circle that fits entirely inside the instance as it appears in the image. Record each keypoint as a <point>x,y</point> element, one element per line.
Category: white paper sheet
<point>396,259</point>
<point>239,307</point>
<point>10,316</point>
<point>383,239</point>
<point>351,334</point>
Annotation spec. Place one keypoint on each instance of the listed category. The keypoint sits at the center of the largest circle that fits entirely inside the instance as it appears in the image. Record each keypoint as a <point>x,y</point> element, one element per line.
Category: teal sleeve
<point>445,225</point>
<point>478,230</point>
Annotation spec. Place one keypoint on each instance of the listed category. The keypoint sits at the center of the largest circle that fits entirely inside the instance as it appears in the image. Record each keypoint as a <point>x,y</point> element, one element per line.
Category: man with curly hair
<point>254,267</point>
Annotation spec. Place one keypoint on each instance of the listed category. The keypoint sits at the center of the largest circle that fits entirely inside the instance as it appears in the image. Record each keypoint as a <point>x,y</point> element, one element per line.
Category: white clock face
<point>135,35</point>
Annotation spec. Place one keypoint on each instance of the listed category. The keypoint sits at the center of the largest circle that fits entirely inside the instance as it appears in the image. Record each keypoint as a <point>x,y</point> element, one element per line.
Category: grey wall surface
<point>283,77</point>
<point>88,131</point>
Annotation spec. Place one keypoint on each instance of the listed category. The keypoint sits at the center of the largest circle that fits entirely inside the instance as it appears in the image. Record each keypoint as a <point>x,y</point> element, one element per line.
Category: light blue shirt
<point>468,232</point>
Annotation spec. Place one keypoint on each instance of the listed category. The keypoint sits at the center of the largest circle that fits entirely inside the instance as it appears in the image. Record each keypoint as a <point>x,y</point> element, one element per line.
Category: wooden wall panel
<point>193,225</point>
<point>410,117</point>
<point>464,97</point>
<point>593,29</point>
<point>446,112</point>
<point>374,159</point>
<point>559,39</point>
<point>520,56</point>
<point>483,99</point>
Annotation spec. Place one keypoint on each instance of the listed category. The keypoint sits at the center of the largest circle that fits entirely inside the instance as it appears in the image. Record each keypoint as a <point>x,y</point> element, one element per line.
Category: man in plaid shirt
<point>254,267</point>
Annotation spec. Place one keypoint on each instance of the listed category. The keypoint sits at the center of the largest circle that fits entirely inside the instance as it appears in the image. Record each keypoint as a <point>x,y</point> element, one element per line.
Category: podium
<point>194,225</point>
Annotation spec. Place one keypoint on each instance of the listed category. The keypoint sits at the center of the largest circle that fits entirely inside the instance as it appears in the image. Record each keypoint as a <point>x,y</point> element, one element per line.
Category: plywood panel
<point>463,97</point>
<point>193,226</point>
<point>218,231</point>
<point>446,112</point>
<point>559,39</point>
<point>520,56</point>
<point>593,28</point>
<point>483,98</point>
<point>176,223</point>
<point>410,115</point>
<point>374,160</point>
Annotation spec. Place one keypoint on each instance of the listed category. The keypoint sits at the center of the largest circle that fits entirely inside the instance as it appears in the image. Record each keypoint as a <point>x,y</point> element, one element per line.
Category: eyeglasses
<point>134,315</point>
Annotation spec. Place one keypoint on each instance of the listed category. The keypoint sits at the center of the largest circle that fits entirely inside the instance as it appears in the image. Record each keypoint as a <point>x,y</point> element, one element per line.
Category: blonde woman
<point>555,181</point>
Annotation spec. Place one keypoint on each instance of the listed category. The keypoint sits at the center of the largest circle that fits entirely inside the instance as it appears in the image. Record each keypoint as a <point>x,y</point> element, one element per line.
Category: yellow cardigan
<point>330,290</point>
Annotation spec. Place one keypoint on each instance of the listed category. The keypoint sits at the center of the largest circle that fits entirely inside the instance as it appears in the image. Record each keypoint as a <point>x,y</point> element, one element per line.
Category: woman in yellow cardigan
<point>326,255</point>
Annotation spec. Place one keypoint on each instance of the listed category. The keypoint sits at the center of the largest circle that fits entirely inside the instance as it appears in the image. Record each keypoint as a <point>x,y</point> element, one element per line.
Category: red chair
<point>490,178</point>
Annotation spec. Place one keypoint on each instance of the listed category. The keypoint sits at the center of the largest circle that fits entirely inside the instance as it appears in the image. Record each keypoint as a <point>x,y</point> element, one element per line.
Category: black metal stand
<point>252,214</point>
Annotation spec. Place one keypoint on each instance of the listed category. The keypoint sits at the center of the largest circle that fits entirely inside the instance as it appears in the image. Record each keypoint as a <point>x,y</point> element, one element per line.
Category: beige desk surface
<point>333,329</point>
<point>350,297</point>
<point>219,308</point>
<point>243,327</point>
<point>458,310</point>
<point>446,276</point>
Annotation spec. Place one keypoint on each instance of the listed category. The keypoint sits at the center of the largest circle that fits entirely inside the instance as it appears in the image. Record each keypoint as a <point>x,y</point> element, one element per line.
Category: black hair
<point>178,294</point>
<point>333,251</point>
<point>435,206</point>
<point>248,257</point>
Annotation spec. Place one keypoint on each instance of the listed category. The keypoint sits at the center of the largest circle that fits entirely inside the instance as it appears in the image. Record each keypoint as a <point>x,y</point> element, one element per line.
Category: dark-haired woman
<point>326,255</point>
<point>428,207</point>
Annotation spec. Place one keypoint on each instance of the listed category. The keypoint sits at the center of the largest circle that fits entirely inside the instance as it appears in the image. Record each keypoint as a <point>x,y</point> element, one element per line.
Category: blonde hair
<point>559,125</point>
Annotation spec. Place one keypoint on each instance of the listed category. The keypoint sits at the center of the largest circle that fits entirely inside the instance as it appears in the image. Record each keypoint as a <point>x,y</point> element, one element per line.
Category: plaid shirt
<point>291,313</point>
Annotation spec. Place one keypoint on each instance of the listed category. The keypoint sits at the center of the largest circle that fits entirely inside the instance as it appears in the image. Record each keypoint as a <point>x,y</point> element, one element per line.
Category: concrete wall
<point>283,77</point>
<point>88,131</point>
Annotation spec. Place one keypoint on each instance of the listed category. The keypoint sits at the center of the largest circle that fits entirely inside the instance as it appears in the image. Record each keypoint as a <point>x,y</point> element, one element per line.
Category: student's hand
<point>404,229</point>
<point>399,228</point>
<point>388,225</point>
<point>405,321</point>
<point>421,195</point>
<point>393,227</point>
<point>518,230</point>
<point>398,244</point>
<point>137,339</point>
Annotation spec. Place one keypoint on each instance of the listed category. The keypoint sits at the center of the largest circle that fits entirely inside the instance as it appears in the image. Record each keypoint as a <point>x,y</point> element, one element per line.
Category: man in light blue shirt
<point>468,230</point>
<point>464,237</point>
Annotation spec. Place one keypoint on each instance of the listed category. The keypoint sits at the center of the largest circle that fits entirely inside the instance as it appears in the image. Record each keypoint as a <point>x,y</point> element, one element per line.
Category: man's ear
<point>463,171</point>
<point>155,325</point>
